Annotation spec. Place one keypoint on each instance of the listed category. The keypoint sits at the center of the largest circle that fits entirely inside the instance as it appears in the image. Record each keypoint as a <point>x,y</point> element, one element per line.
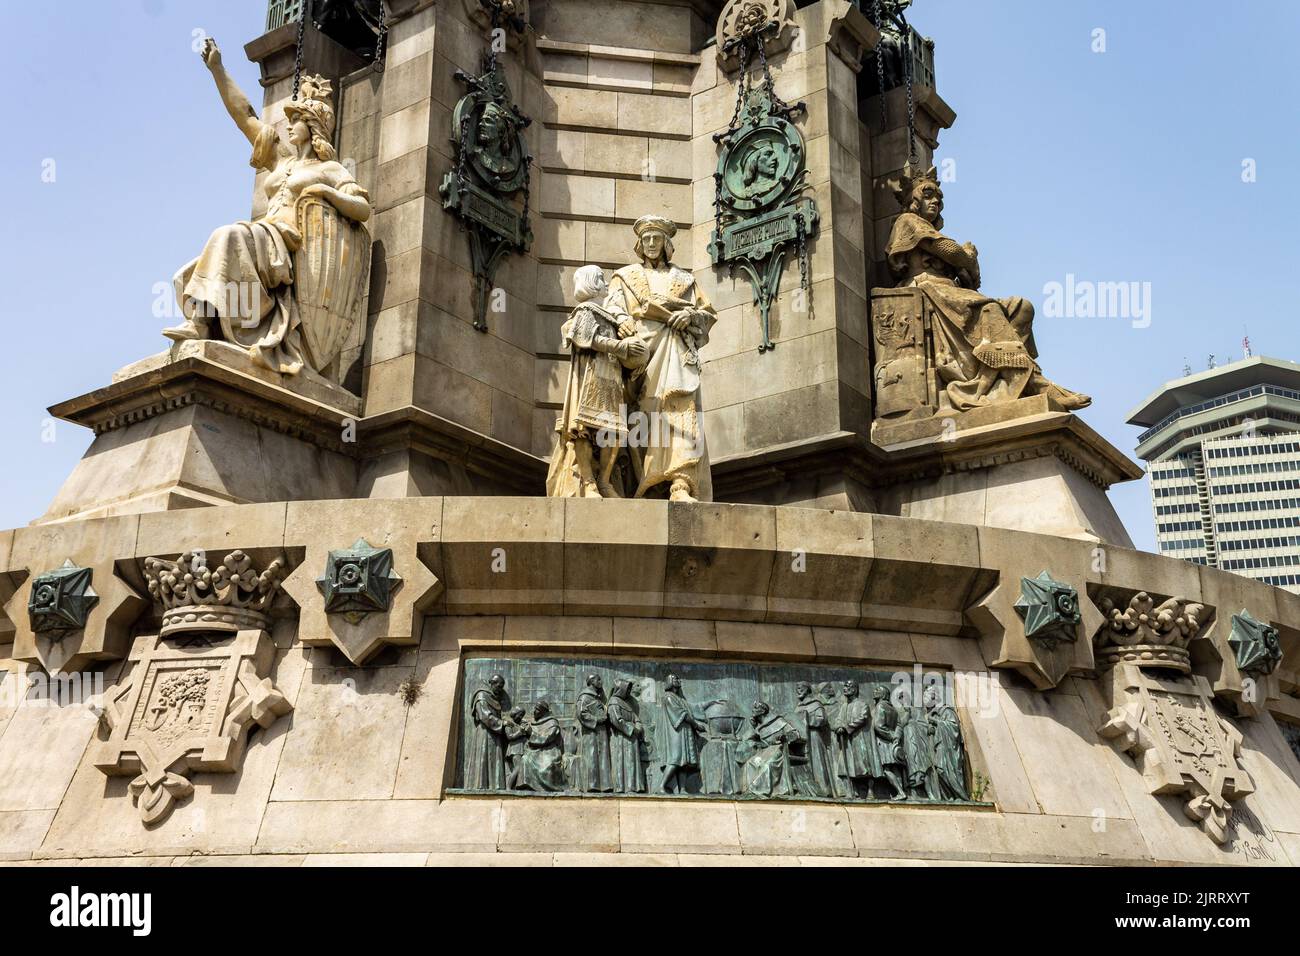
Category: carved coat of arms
<point>186,709</point>
<point>1181,744</point>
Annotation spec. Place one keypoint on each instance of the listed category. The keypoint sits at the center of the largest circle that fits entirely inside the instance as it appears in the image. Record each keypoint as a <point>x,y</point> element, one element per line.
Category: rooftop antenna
<point>1245,346</point>
<point>1187,369</point>
<point>1210,364</point>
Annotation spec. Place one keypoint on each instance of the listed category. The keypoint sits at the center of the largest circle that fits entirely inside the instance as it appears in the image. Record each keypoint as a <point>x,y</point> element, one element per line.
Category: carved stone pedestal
<point>200,424</point>
<point>985,465</point>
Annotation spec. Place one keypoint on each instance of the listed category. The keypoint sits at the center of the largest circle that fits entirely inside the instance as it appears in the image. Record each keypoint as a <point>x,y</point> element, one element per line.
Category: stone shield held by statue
<point>330,270</point>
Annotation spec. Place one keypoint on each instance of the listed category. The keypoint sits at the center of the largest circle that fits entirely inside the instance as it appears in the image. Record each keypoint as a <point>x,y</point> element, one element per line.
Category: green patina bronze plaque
<point>761,211</point>
<point>699,729</point>
<point>492,169</point>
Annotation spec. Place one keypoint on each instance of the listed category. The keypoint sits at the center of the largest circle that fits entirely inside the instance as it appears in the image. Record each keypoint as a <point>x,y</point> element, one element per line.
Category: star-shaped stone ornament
<point>361,597</point>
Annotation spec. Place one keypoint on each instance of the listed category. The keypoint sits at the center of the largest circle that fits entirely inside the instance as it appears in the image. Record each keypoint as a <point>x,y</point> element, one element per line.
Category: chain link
<point>911,105</point>
<point>528,178</point>
<point>303,13</point>
<point>880,64</point>
<point>732,125</point>
<point>383,39</point>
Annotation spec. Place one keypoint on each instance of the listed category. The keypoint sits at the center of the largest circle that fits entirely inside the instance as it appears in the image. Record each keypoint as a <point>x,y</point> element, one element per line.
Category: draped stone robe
<point>973,333</point>
<point>595,396</point>
<point>668,387</point>
<point>244,275</point>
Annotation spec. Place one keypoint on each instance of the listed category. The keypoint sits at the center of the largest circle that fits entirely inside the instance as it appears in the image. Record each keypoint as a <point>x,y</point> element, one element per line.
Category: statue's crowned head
<point>654,239</point>
<point>918,191</point>
<point>313,109</point>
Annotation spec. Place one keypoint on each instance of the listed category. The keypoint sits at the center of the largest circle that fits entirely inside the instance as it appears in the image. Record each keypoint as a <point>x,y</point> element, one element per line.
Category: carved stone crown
<point>911,177</point>
<point>230,597</point>
<point>1146,634</point>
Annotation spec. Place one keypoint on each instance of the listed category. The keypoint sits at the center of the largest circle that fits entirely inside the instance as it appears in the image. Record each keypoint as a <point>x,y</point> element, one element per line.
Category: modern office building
<point>1223,454</point>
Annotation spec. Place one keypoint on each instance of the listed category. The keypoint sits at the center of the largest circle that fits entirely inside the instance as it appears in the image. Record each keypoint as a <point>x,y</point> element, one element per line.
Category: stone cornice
<point>198,381</point>
<point>154,388</point>
<point>414,428</point>
<point>1052,434</point>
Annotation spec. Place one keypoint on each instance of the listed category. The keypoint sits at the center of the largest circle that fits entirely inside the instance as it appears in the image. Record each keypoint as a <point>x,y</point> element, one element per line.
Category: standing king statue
<point>286,286</point>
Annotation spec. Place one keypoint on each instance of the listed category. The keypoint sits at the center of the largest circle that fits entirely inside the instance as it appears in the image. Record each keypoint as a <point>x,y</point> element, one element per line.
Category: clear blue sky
<point>1116,166</point>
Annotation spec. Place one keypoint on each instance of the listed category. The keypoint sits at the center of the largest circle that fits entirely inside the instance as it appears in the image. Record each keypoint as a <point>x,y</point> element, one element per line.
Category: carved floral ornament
<point>745,21</point>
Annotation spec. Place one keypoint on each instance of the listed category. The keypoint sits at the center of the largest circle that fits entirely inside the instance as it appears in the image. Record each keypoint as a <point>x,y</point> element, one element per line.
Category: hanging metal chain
<point>880,64</point>
<point>528,178</point>
<point>297,53</point>
<point>769,86</point>
<point>494,18</point>
<point>462,145</point>
<point>742,91</point>
<point>742,88</point>
<point>911,105</point>
<point>801,245</point>
<point>383,39</point>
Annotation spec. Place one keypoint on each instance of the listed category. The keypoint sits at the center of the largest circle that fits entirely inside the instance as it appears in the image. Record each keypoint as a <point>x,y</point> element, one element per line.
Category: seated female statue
<point>244,275</point>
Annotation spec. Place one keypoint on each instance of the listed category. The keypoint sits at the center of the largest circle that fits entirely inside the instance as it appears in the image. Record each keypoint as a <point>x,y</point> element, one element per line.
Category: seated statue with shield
<point>287,286</point>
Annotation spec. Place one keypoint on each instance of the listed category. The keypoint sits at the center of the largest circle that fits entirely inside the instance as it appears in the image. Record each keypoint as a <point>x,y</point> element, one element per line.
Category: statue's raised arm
<point>236,103</point>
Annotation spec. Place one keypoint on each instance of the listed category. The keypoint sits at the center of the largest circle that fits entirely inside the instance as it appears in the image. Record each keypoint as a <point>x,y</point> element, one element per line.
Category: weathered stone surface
<point>343,746</point>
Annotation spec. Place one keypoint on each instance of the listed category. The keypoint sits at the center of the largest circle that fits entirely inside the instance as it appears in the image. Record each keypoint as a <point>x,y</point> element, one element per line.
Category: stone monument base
<point>1026,465</point>
<point>200,424</point>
